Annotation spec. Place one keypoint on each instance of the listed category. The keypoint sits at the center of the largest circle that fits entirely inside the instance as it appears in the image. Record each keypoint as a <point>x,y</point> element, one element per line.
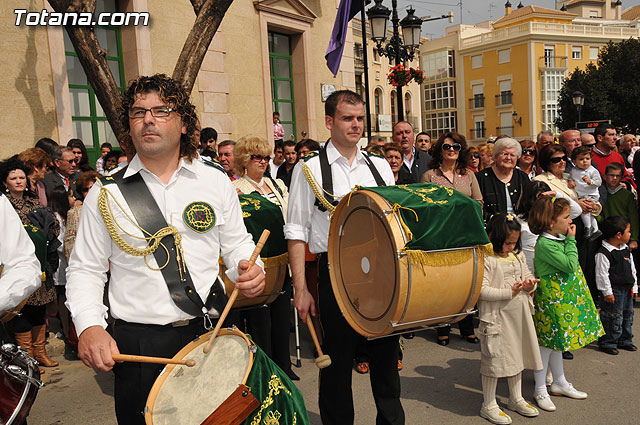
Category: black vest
<point>620,274</point>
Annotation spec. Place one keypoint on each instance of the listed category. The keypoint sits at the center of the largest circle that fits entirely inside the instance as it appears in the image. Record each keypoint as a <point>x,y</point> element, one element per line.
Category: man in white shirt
<point>196,200</point>
<point>307,223</point>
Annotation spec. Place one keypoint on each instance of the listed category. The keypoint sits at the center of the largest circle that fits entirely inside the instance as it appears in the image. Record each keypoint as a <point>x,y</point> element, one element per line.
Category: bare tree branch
<point>197,5</point>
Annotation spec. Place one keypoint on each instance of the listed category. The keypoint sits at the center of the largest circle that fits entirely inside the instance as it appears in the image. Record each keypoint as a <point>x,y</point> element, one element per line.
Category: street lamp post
<point>395,49</point>
<point>578,101</point>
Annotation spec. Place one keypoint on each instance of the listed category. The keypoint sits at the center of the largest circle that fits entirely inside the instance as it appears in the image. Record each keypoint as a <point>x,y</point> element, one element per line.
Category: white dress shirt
<point>136,292</point>
<point>602,270</point>
<point>409,162</point>
<point>21,273</point>
<point>305,222</point>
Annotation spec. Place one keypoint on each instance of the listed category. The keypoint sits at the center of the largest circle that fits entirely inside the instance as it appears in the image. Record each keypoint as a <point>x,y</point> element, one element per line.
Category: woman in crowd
<point>84,183</point>
<point>486,155</point>
<point>393,155</point>
<point>37,160</point>
<point>474,159</point>
<point>80,151</point>
<point>448,167</point>
<point>527,161</point>
<point>502,183</point>
<point>30,326</point>
<point>269,326</point>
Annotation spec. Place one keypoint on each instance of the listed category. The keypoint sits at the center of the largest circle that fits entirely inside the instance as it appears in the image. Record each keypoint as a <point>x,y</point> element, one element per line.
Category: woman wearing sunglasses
<point>474,159</point>
<point>449,158</point>
<point>527,161</point>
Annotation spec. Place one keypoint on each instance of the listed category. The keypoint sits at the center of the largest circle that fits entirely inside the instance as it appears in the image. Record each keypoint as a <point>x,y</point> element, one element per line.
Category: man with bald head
<point>568,140</point>
<point>415,161</point>
<point>588,140</point>
<point>628,142</point>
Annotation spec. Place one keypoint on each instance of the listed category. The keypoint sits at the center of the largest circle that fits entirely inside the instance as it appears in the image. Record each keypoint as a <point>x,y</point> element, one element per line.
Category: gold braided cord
<point>152,241</point>
<point>317,189</point>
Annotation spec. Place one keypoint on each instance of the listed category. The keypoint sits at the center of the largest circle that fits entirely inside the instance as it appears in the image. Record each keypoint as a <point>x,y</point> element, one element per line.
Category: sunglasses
<point>528,151</point>
<point>476,155</point>
<point>456,147</point>
<point>557,159</point>
<point>589,146</point>
<point>258,158</point>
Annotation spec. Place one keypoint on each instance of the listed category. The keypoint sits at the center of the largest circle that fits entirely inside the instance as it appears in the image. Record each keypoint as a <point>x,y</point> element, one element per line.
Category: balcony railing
<point>476,102</point>
<point>504,98</point>
<point>552,62</point>
<point>477,133</point>
<point>505,130</point>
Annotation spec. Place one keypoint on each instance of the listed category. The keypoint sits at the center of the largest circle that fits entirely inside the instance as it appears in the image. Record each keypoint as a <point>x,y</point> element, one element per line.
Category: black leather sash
<point>149,217</point>
<point>327,178</point>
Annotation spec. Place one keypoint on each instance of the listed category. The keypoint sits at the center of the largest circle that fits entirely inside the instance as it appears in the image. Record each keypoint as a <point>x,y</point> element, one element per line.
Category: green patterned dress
<point>565,315</point>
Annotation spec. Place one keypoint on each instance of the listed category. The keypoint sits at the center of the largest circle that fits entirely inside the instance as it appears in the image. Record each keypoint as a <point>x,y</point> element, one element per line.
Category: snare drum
<point>235,383</point>
<point>259,214</point>
<point>19,383</point>
<point>405,257</point>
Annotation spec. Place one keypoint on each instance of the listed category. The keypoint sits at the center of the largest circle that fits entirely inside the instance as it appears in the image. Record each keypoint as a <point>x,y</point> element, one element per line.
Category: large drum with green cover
<point>259,214</point>
<point>405,257</point>
<point>235,383</point>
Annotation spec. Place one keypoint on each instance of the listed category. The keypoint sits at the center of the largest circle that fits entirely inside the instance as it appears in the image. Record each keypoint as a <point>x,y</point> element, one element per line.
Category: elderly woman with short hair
<point>502,183</point>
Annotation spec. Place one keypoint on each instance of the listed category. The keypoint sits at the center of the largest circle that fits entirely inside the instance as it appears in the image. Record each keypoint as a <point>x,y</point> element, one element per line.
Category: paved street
<point>440,385</point>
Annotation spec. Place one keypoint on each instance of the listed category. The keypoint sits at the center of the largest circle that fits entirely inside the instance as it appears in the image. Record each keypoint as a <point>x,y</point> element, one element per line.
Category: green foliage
<point>611,88</point>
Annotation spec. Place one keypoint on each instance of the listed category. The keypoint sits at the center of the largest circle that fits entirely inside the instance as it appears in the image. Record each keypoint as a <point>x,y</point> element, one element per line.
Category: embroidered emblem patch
<point>199,216</point>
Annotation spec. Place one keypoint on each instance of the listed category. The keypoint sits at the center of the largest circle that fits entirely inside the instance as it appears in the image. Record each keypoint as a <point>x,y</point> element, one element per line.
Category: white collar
<point>560,238</point>
<point>606,245</point>
<point>136,165</point>
<point>333,154</point>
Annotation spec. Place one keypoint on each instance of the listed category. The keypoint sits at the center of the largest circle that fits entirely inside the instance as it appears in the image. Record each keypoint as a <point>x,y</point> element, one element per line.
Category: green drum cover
<point>259,213</point>
<point>39,239</point>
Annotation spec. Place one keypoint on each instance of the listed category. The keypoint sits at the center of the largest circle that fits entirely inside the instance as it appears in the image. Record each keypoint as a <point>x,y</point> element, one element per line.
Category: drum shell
<point>417,295</point>
<point>274,280</point>
<point>17,397</point>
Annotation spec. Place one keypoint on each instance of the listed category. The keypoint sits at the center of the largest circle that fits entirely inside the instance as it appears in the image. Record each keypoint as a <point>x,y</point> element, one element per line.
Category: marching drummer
<point>156,290</point>
<point>334,171</point>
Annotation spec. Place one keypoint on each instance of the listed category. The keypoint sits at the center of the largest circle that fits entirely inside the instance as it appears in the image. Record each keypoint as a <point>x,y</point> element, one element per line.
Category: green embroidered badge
<point>199,216</point>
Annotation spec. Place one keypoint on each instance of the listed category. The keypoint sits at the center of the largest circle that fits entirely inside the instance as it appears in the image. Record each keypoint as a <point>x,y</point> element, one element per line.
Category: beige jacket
<point>244,187</point>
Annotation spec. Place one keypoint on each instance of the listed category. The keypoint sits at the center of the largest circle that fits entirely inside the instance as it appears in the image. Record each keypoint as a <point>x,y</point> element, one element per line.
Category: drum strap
<point>149,217</point>
<point>327,179</point>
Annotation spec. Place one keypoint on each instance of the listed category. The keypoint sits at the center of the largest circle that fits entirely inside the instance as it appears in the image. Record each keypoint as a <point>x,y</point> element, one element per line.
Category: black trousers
<point>465,326</point>
<point>340,341</point>
<point>133,381</point>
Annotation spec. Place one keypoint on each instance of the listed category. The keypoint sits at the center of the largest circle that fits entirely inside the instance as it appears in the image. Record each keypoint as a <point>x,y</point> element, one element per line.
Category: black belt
<point>176,324</point>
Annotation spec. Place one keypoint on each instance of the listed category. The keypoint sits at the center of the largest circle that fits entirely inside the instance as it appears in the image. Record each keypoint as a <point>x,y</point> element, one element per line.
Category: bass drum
<point>19,384</point>
<point>379,290</point>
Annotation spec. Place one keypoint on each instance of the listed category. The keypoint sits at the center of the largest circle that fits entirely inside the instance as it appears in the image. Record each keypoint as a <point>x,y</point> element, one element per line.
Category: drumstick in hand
<point>145,359</point>
<point>234,294</point>
<point>323,360</point>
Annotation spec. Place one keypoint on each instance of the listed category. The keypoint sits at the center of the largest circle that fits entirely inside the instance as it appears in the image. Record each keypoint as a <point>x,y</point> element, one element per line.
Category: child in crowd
<point>507,334</point>
<point>617,280</point>
<point>105,148</point>
<point>620,202</point>
<point>587,180</point>
<point>565,315</point>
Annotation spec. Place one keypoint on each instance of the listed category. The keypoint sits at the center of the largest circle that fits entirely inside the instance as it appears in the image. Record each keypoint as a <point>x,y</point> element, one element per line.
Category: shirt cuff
<point>295,232</point>
<point>607,293</point>
<point>86,321</point>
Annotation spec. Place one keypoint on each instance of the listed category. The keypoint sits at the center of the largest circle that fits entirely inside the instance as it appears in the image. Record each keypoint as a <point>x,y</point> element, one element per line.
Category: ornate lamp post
<point>578,101</point>
<point>396,49</point>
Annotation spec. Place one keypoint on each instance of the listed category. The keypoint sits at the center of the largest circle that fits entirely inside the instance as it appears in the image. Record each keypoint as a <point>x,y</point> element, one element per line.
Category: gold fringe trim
<point>444,258</point>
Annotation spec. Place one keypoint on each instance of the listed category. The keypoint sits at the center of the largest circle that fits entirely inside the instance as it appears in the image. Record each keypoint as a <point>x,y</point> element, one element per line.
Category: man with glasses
<point>64,170</point>
<point>155,297</point>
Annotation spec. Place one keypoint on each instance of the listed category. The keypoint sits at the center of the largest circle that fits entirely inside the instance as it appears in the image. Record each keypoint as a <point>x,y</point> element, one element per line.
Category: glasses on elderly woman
<point>456,147</point>
<point>557,159</point>
<point>258,158</point>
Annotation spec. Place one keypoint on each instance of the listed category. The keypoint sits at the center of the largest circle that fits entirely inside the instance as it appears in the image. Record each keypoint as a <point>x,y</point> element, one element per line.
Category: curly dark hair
<point>173,94</point>
<point>10,165</point>
<point>463,157</point>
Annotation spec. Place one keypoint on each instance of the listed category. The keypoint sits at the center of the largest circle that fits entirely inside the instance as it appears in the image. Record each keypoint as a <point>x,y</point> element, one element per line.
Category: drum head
<point>362,254</point>
<point>188,395</point>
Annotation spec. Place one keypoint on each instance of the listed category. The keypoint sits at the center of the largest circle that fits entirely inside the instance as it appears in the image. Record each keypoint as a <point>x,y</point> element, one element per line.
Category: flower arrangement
<point>401,75</point>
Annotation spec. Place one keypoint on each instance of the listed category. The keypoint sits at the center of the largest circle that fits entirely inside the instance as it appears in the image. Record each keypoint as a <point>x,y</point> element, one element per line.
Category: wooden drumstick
<point>323,360</point>
<point>234,294</point>
<point>145,359</point>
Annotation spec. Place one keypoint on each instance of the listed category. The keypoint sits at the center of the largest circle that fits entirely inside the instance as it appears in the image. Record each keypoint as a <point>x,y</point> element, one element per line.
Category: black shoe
<point>610,350</point>
<point>409,335</point>
<point>567,355</point>
<point>629,347</point>
<point>444,342</point>
<point>472,339</point>
<point>594,236</point>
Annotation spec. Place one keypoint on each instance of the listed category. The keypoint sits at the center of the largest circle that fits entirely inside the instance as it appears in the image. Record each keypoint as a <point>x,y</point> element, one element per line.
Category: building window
<point>358,55</point>
<point>593,53</point>
<point>505,96</point>
<point>594,13</point>
<point>576,52</point>
<point>476,61</point>
<point>394,112</point>
<point>89,121</point>
<point>282,82</point>
<point>377,95</point>
<point>439,122</point>
<point>478,131</point>
<point>376,55</point>
<point>439,95</point>
<point>477,101</point>
<point>439,65</point>
<point>549,56</point>
<point>504,56</point>
<point>407,104</point>
<point>551,85</point>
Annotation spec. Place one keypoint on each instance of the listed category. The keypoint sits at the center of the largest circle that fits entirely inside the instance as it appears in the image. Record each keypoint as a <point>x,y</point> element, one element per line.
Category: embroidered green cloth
<point>39,239</point>
<point>259,213</point>
<point>437,216</point>
<point>281,402</point>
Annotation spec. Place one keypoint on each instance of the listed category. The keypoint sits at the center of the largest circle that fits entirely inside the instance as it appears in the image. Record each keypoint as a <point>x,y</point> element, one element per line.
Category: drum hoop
<point>23,398</point>
<point>202,339</point>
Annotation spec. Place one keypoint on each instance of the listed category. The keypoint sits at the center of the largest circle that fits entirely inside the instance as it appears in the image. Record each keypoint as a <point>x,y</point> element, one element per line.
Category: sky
<point>473,11</point>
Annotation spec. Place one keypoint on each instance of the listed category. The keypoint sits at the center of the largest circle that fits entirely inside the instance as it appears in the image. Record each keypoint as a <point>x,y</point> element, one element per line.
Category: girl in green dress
<point>565,315</point>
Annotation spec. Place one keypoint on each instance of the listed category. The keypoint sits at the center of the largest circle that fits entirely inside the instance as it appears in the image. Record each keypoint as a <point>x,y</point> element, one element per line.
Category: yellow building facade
<point>268,55</point>
<point>504,76</point>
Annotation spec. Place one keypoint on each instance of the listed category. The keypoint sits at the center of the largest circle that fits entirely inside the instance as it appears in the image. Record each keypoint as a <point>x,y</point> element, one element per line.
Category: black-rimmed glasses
<point>156,112</point>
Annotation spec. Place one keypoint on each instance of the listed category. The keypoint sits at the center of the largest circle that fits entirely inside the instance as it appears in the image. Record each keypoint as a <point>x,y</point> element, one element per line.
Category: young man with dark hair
<point>308,223</point>
<point>277,160</point>
<point>290,160</point>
